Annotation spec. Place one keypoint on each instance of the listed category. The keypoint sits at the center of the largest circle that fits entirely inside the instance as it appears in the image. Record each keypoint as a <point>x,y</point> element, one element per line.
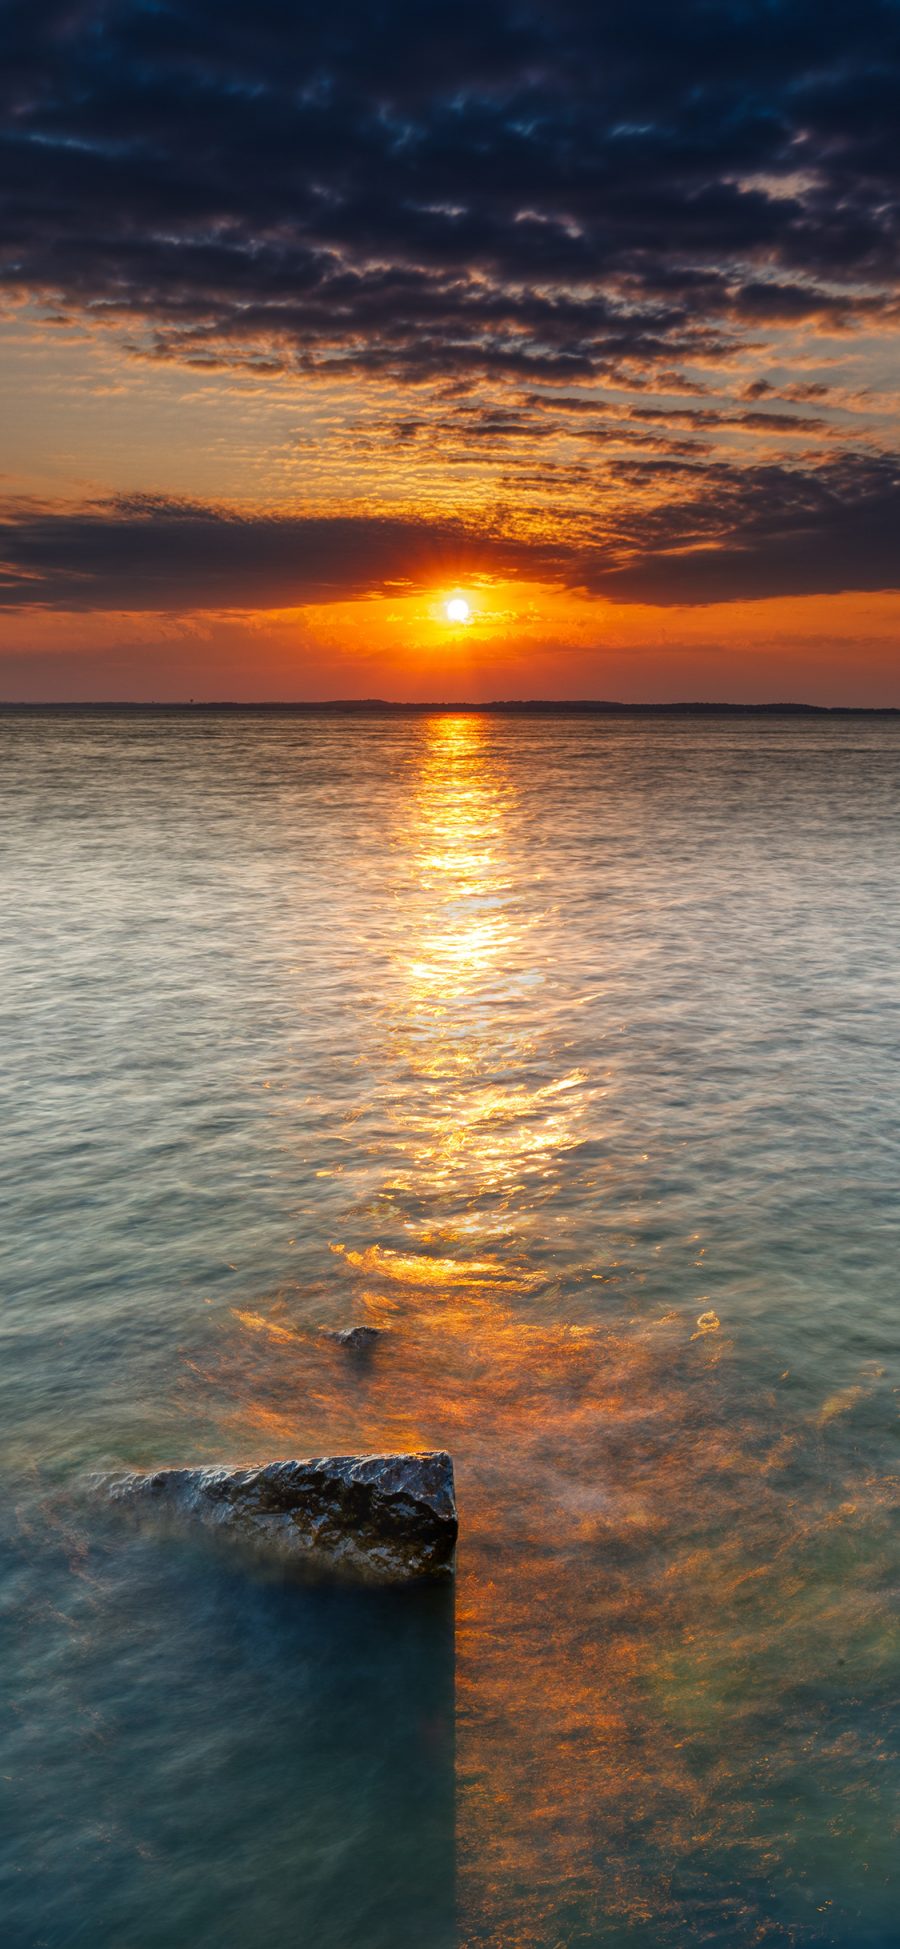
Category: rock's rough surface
<point>392,1517</point>
<point>360,1339</point>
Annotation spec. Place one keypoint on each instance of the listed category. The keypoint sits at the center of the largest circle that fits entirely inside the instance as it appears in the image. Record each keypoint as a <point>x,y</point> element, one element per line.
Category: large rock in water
<point>392,1517</point>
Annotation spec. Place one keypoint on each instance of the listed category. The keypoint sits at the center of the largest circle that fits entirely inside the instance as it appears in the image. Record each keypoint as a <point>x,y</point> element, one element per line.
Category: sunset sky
<point>313,319</point>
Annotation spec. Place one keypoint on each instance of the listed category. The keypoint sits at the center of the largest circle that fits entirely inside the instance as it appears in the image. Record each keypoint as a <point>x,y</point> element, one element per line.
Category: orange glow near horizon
<point>521,639</point>
<point>570,479</point>
<point>193,436</point>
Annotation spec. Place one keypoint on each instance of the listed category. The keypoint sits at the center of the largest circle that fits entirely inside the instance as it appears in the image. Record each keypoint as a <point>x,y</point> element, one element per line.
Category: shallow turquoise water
<point>567,1051</point>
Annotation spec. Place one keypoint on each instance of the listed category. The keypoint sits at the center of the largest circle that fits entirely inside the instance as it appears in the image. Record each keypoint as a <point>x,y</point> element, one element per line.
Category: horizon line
<point>337,705</point>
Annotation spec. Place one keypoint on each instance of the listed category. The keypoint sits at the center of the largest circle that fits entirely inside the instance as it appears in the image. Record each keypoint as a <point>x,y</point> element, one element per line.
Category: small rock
<point>389,1517</point>
<point>357,1338</point>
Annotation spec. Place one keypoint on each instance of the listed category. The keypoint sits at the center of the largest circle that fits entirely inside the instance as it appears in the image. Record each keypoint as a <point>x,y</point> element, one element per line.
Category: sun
<point>457,610</point>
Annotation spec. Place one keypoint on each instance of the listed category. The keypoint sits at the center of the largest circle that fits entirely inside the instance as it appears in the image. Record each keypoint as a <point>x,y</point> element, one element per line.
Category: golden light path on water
<point>631,1564</point>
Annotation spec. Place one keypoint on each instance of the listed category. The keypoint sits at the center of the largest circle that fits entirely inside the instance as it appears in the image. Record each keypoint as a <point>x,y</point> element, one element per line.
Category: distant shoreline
<point>501,707</point>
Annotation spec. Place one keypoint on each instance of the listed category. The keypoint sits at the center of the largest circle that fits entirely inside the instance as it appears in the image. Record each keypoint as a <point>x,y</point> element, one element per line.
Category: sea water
<point>564,1050</point>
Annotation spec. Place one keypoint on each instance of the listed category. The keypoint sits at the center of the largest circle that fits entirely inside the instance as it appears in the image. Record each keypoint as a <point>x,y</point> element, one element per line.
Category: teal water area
<point>566,1052</point>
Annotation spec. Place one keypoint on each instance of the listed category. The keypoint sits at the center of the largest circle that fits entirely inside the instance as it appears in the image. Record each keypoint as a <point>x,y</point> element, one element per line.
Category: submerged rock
<point>359,1339</point>
<point>392,1517</point>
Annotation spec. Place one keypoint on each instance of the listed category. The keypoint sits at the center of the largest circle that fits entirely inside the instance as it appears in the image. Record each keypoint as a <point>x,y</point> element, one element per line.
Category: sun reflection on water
<point>622,1526</point>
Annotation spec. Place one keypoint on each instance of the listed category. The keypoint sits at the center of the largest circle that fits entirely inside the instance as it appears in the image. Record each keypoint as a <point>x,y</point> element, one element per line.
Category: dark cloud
<point>502,188</point>
<point>759,531</point>
<point>160,555</point>
<point>722,533</point>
